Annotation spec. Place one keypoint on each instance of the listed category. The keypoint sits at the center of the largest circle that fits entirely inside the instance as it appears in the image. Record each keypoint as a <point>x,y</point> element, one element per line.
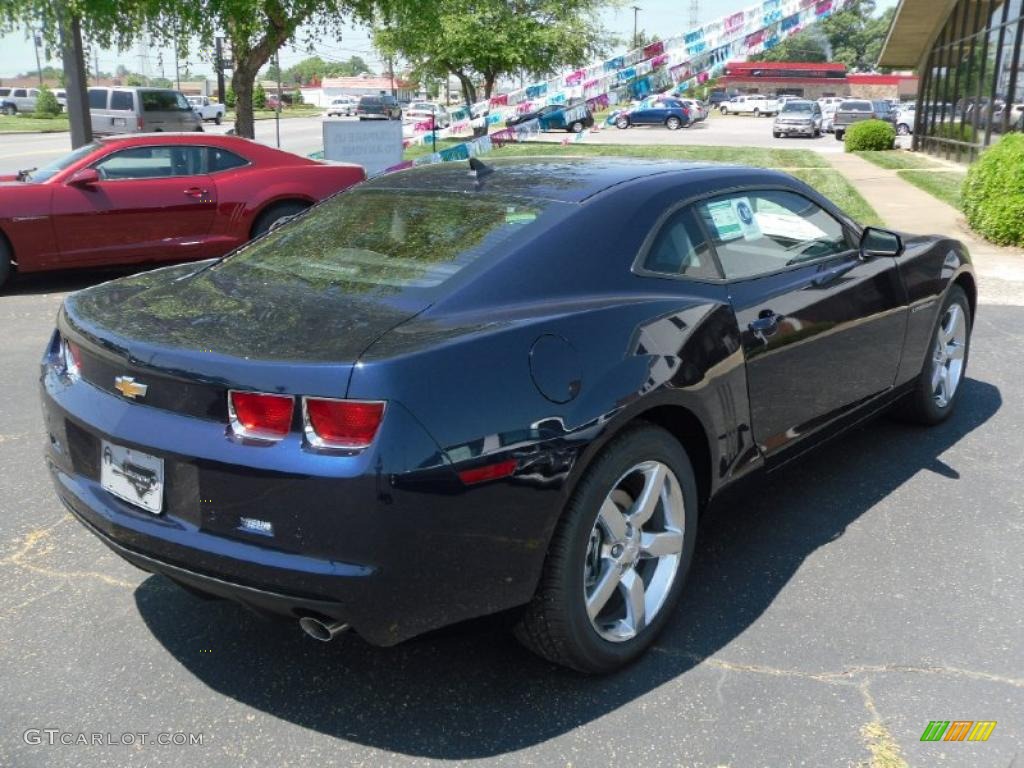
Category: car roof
<point>252,150</point>
<point>561,179</point>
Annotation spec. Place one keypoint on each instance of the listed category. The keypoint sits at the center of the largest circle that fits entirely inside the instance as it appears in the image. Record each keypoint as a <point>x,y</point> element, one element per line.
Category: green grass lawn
<point>944,185</point>
<point>806,165</point>
<point>761,158</point>
<point>836,188</point>
<point>31,124</point>
<point>898,160</point>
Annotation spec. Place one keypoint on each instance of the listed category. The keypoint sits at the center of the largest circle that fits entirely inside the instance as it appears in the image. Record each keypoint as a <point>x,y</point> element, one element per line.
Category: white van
<point>140,110</point>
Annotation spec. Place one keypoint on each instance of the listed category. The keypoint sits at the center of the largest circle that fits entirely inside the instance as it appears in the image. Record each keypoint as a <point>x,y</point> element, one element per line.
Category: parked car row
<point>15,100</point>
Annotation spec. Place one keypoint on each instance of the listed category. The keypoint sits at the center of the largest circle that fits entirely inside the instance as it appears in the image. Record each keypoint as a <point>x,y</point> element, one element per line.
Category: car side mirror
<point>85,177</point>
<point>880,242</point>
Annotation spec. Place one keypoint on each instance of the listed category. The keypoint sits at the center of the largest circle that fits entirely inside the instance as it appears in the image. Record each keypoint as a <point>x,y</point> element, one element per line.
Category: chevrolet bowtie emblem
<point>129,387</point>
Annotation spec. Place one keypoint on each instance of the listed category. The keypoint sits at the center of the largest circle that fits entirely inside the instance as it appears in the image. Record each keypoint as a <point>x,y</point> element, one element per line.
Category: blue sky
<point>665,17</point>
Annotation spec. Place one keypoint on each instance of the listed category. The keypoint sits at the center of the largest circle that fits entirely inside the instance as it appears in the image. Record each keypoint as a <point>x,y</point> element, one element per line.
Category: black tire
<point>839,135</point>
<point>920,406</point>
<point>216,119</point>
<point>757,112</point>
<point>199,129</point>
<point>673,123</point>
<point>723,111</point>
<point>576,127</point>
<point>555,624</point>
<point>10,110</point>
<point>622,123</point>
<point>817,133</point>
<point>776,134</point>
<point>903,130</point>
<point>6,267</point>
<point>277,211</point>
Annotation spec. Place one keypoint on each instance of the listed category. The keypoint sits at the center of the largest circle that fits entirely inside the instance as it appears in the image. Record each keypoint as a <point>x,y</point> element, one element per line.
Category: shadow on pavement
<point>471,691</point>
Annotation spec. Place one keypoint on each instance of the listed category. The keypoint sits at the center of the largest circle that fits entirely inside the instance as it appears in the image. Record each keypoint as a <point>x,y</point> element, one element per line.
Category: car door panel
<point>822,327</point>
<point>835,343</point>
<point>147,216</point>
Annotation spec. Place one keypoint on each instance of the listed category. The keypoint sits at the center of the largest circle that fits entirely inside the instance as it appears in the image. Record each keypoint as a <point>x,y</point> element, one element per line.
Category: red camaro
<point>155,198</point>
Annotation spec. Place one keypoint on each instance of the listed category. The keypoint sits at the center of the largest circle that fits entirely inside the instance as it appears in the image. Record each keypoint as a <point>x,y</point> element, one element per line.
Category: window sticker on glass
<point>727,223</point>
<point>789,226</point>
<point>748,221</point>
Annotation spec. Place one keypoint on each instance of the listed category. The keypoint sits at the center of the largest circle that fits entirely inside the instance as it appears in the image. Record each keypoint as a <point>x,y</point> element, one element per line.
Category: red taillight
<point>141,123</point>
<point>260,415</point>
<point>488,472</point>
<point>344,424</point>
<point>72,355</point>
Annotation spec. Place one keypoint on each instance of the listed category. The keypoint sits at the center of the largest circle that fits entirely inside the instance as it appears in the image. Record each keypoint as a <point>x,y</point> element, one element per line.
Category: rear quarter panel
<point>244,194</point>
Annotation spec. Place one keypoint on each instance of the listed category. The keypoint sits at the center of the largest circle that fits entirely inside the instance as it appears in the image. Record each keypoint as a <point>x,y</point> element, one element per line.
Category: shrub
<point>46,102</point>
<point>993,192</point>
<point>230,98</point>
<point>297,99</point>
<point>870,135</point>
<point>259,97</point>
<point>955,131</point>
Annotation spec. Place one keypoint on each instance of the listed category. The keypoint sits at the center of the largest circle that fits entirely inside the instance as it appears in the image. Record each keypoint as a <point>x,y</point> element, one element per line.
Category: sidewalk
<point>904,207</point>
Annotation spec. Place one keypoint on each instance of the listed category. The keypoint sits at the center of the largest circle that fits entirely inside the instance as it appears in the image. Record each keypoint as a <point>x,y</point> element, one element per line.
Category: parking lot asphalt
<point>831,613</point>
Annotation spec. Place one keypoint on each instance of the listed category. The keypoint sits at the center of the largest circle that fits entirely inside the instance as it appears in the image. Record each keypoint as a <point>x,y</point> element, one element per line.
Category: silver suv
<point>19,100</point>
<point>140,110</point>
<point>799,117</point>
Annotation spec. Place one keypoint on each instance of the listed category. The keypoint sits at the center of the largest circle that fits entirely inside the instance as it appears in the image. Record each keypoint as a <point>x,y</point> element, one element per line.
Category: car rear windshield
<point>798,106</point>
<point>370,101</point>
<point>855,106</point>
<point>384,241</point>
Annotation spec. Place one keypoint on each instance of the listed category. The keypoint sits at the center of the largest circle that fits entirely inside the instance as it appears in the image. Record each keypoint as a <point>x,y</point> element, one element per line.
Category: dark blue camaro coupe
<point>447,393</point>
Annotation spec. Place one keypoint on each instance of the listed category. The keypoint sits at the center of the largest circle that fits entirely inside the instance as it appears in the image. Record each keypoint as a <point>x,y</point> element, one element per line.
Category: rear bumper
<point>388,541</point>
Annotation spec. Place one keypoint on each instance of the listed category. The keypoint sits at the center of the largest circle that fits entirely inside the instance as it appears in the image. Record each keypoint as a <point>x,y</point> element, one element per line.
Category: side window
<point>223,160</point>
<point>97,98</point>
<point>759,232</point>
<point>680,249</point>
<point>18,93</point>
<point>122,100</point>
<point>153,163</point>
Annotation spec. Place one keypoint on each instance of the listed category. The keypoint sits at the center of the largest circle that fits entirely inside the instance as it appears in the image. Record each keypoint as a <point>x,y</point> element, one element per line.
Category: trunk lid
<point>198,333</point>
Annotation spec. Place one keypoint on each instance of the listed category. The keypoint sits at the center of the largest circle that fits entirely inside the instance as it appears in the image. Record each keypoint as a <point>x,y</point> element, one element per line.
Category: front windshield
<point>797,106</point>
<point>54,167</point>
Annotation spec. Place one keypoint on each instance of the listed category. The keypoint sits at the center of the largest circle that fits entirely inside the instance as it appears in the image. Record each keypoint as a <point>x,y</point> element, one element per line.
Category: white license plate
<point>134,476</point>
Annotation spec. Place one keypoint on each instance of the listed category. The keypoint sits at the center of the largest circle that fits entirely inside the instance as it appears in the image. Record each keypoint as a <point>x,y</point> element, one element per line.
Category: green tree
<point>46,103</point>
<point>807,46</point>
<point>857,34</point>
<point>230,100</point>
<point>489,38</point>
<point>297,99</point>
<point>315,68</point>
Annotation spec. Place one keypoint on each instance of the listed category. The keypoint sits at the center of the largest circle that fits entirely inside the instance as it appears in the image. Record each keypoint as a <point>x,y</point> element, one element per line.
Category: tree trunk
<point>489,79</point>
<point>242,81</point>
<point>74,70</point>
<point>468,90</point>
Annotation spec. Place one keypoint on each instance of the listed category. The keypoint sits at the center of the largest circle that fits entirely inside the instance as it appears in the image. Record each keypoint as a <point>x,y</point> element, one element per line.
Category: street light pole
<point>37,43</point>
<point>636,11</point>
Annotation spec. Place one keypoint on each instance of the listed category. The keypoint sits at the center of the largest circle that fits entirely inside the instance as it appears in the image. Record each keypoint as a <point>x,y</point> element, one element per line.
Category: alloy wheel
<point>634,551</point>
<point>948,355</point>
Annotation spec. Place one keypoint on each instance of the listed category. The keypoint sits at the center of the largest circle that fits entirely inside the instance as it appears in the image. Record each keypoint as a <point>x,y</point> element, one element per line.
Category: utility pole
<point>96,64</point>
<point>177,67</point>
<point>277,111</point>
<point>391,74</point>
<point>73,57</point>
<point>219,65</point>
<point>694,14</point>
<point>636,12</point>
<point>37,43</point>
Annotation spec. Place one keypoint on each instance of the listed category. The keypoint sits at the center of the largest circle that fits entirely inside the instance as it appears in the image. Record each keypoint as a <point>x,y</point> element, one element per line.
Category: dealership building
<point>968,54</point>
<point>813,80</point>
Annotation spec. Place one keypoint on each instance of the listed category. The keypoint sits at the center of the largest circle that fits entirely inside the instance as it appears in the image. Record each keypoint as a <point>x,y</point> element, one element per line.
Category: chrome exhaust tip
<point>323,630</point>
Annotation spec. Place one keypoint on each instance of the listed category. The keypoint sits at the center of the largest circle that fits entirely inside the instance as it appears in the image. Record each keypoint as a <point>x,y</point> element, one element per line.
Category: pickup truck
<point>754,104</point>
<point>855,110</point>
<point>207,109</point>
